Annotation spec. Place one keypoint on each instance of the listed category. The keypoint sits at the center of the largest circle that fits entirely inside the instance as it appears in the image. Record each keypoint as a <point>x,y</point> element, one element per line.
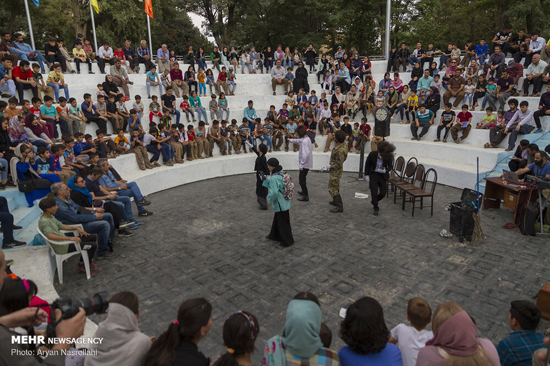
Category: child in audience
<point>290,77</point>
<point>165,119</point>
<point>63,172</point>
<point>411,338</point>
<point>136,146</point>
<point>25,107</point>
<point>79,147</point>
<point>152,78</point>
<point>234,136</point>
<point>70,160</point>
<point>231,83</point>
<point>165,79</point>
<point>500,117</point>
<point>412,105</point>
<point>121,108</point>
<point>201,77</point>
<point>39,80</point>
<point>469,89</point>
<point>49,113</point>
<point>134,122</point>
<point>121,141</point>
<point>75,113</point>
<point>488,120</point>
<point>214,109</point>
<point>301,99</point>
<point>191,137</point>
<point>105,146</point>
<point>355,136</point>
<point>244,132</point>
<point>211,81</point>
<point>283,113</point>
<point>138,107</point>
<point>490,88</point>
<point>186,108</point>
<point>154,109</point>
<point>290,99</point>
<point>379,101</point>
<point>42,162</point>
<point>437,83</point>
<point>463,124</point>
<point>100,90</point>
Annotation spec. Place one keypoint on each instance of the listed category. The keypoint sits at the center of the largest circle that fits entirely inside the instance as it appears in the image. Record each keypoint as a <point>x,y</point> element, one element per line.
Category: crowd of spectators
<point>304,339</point>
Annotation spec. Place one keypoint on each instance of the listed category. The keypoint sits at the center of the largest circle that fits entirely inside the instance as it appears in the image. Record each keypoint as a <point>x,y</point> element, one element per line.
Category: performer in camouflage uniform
<point>337,157</point>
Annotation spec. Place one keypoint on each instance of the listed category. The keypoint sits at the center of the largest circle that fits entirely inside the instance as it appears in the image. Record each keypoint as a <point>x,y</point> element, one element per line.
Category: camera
<point>97,304</point>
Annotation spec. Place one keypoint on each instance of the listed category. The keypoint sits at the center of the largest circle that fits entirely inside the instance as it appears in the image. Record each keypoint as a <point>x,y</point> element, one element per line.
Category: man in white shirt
<point>533,74</point>
<point>535,47</point>
<point>105,54</point>
<point>524,123</point>
<point>120,77</point>
<point>305,159</point>
<point>163,59</point>
<point>278,77</point>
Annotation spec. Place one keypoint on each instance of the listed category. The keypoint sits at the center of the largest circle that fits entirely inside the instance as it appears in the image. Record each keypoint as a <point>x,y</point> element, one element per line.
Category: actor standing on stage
<point>280,229</point>
<point>377,168</point>
<point>337,157</point>
<point>260,166</point>
<point>305,160</point>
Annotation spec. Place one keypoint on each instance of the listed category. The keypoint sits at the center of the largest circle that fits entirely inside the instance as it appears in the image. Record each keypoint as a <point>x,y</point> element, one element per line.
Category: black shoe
<point>14,244</point>
<point>274,93</point>
<point>5,95</point>
<point>304,199</point>
<point>124,232</point>
<point>143,202</point>
<point>91,72</point>
<point>332,203</point>
<point>2,187</point>
<point>263,208</point>
<point>300,193</point>
<point>10,184</point>
<point>145,213</point>
<point>337,209</point>
<point>375,212</point>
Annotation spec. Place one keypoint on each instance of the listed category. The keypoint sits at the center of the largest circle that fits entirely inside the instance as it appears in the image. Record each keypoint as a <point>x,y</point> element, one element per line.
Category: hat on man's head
<point>511,63</point>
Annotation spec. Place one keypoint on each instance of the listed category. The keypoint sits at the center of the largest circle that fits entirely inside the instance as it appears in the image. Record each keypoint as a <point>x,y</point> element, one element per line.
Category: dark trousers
<point>477,95</point>
<point>529,59</point>
<point>425,127</point>
<point>156,153</point>
<point>148,63</point>
<point>101,63</point>
<point>57,58</point>
<point>78,62</point>
<point>440,128</point>
<point>496,135</point>
<point>101,123</point>
<point>537,115</point>
<point>393,65</point>
<point>378,188</point>
<point>91,241</point>
<point>302,181</point>
<point>281,229</point>
<point>526,84</point>
<point>21,86</point>
<point>6,218</point>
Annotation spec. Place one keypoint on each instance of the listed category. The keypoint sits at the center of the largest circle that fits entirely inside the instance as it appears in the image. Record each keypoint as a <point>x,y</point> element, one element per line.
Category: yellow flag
<point>95,5</point>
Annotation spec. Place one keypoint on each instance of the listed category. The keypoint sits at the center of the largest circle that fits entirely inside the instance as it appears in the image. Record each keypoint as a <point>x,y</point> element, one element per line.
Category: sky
<point>197,21</point>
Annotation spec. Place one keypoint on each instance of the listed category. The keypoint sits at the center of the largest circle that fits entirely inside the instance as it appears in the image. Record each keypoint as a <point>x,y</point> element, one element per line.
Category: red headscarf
<point>457,336</point>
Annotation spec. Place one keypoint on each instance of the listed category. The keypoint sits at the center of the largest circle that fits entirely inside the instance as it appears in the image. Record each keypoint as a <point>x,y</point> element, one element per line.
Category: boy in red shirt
<point>463,123</point>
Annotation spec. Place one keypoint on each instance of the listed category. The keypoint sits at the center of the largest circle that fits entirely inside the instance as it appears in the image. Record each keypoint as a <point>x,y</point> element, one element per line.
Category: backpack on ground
<point>527,218</point>
<point>288,184</point>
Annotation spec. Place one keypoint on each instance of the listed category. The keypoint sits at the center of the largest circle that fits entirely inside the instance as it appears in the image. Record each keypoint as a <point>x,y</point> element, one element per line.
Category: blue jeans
<point>482,59</point>
<point>40,143</point>
<point>524,130</point>
<point>268,65</point>
<point>56,88</point>
<point>202,88</point>
<point>200,111</point>
<point>201,63</point>
<point>153,150</point>
<point>149,85</point>
<point>120,206</point>
<point>177,113</point>
<point>249,66</point>
<point>412,60</point>
<point>265,139</point>
<point>442,60</point>
<point>132,191</point>
<point>165,152</point>
<point>288,64</point>
<point>226,110</point>
<point>4,173</point>
<point>105,230</point>
<point>9,85</point>
<point>125,200</point>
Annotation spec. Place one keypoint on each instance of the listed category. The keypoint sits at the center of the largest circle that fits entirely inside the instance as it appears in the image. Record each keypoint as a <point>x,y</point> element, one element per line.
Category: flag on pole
<point>36,2</point>
<point>94,5</point>
<point>149,8</point>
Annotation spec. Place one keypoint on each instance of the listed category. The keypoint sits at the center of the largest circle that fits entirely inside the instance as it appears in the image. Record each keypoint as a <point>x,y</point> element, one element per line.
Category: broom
<point>478,231</point>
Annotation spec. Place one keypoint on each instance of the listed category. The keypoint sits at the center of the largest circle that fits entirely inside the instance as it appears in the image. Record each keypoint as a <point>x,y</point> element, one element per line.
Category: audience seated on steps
<point>524,155</point>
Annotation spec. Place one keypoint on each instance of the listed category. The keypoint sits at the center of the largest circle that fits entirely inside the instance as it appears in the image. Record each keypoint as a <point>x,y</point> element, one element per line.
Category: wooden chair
<point>396,174</point>
<point>407,177</point>
<point>416,182</point>
<point>60,258</point>
<point>427,190</point>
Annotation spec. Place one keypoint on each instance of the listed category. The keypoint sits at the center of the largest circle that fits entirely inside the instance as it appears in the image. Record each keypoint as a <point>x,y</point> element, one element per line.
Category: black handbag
<point>26,185</point>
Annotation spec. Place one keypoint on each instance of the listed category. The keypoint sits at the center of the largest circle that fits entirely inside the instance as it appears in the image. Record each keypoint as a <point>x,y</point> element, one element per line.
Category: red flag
<point>149,7</point>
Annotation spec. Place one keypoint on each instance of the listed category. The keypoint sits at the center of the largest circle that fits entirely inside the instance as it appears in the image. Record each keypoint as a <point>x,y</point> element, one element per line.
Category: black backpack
<point>527,218</point>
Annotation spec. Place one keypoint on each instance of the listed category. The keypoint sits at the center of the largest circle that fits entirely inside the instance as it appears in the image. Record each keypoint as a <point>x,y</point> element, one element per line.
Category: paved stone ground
<point>207,239</point>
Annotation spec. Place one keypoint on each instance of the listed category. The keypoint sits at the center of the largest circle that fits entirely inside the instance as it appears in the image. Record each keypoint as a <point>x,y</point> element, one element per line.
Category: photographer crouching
<point>20,354</point>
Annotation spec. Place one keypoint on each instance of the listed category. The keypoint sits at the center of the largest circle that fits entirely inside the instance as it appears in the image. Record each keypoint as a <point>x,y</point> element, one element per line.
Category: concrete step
<point>27,217</point>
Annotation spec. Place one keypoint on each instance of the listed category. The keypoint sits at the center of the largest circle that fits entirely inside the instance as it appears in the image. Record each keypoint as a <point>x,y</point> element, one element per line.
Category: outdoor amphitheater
<point>207,236</point>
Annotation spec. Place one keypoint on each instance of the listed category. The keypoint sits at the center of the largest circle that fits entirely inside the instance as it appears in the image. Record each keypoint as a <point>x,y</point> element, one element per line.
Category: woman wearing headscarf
<point>82,197</point>
<point>434,101</point>
<point>110,88</point>
<point>36,132</point>
<point>385,83</point>
<point>300,82</point>
<point>392,98</point>
<point>300,343</point>
<point>455,340</point>
<point>17,133</point>
<point>339,99</point>
<point>22,164</point>
<point>281,230</point>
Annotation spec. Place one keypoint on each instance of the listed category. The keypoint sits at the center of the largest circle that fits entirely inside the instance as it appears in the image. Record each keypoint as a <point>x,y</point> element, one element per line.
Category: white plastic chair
<point>60,258</point>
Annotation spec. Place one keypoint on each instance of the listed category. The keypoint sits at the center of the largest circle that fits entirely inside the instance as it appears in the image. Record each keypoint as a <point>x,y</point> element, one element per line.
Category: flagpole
<point>149,30</point>
<point>30,24</point>
<point>93,25</point>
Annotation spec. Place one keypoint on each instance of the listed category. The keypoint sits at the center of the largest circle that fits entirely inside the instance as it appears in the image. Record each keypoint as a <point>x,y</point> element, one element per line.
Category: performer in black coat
<point>377,168</point>
<point>260,166</point>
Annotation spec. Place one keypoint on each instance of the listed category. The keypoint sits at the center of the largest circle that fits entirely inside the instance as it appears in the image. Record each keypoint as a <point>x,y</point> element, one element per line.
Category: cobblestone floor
<point>207,239</point>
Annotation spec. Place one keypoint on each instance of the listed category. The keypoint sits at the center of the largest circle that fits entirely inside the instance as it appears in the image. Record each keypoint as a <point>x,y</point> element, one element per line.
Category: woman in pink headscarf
<point>455,341</point>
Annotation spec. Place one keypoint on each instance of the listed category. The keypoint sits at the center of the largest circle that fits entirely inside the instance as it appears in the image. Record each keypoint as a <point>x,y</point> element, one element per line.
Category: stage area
<point>208,239</point>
